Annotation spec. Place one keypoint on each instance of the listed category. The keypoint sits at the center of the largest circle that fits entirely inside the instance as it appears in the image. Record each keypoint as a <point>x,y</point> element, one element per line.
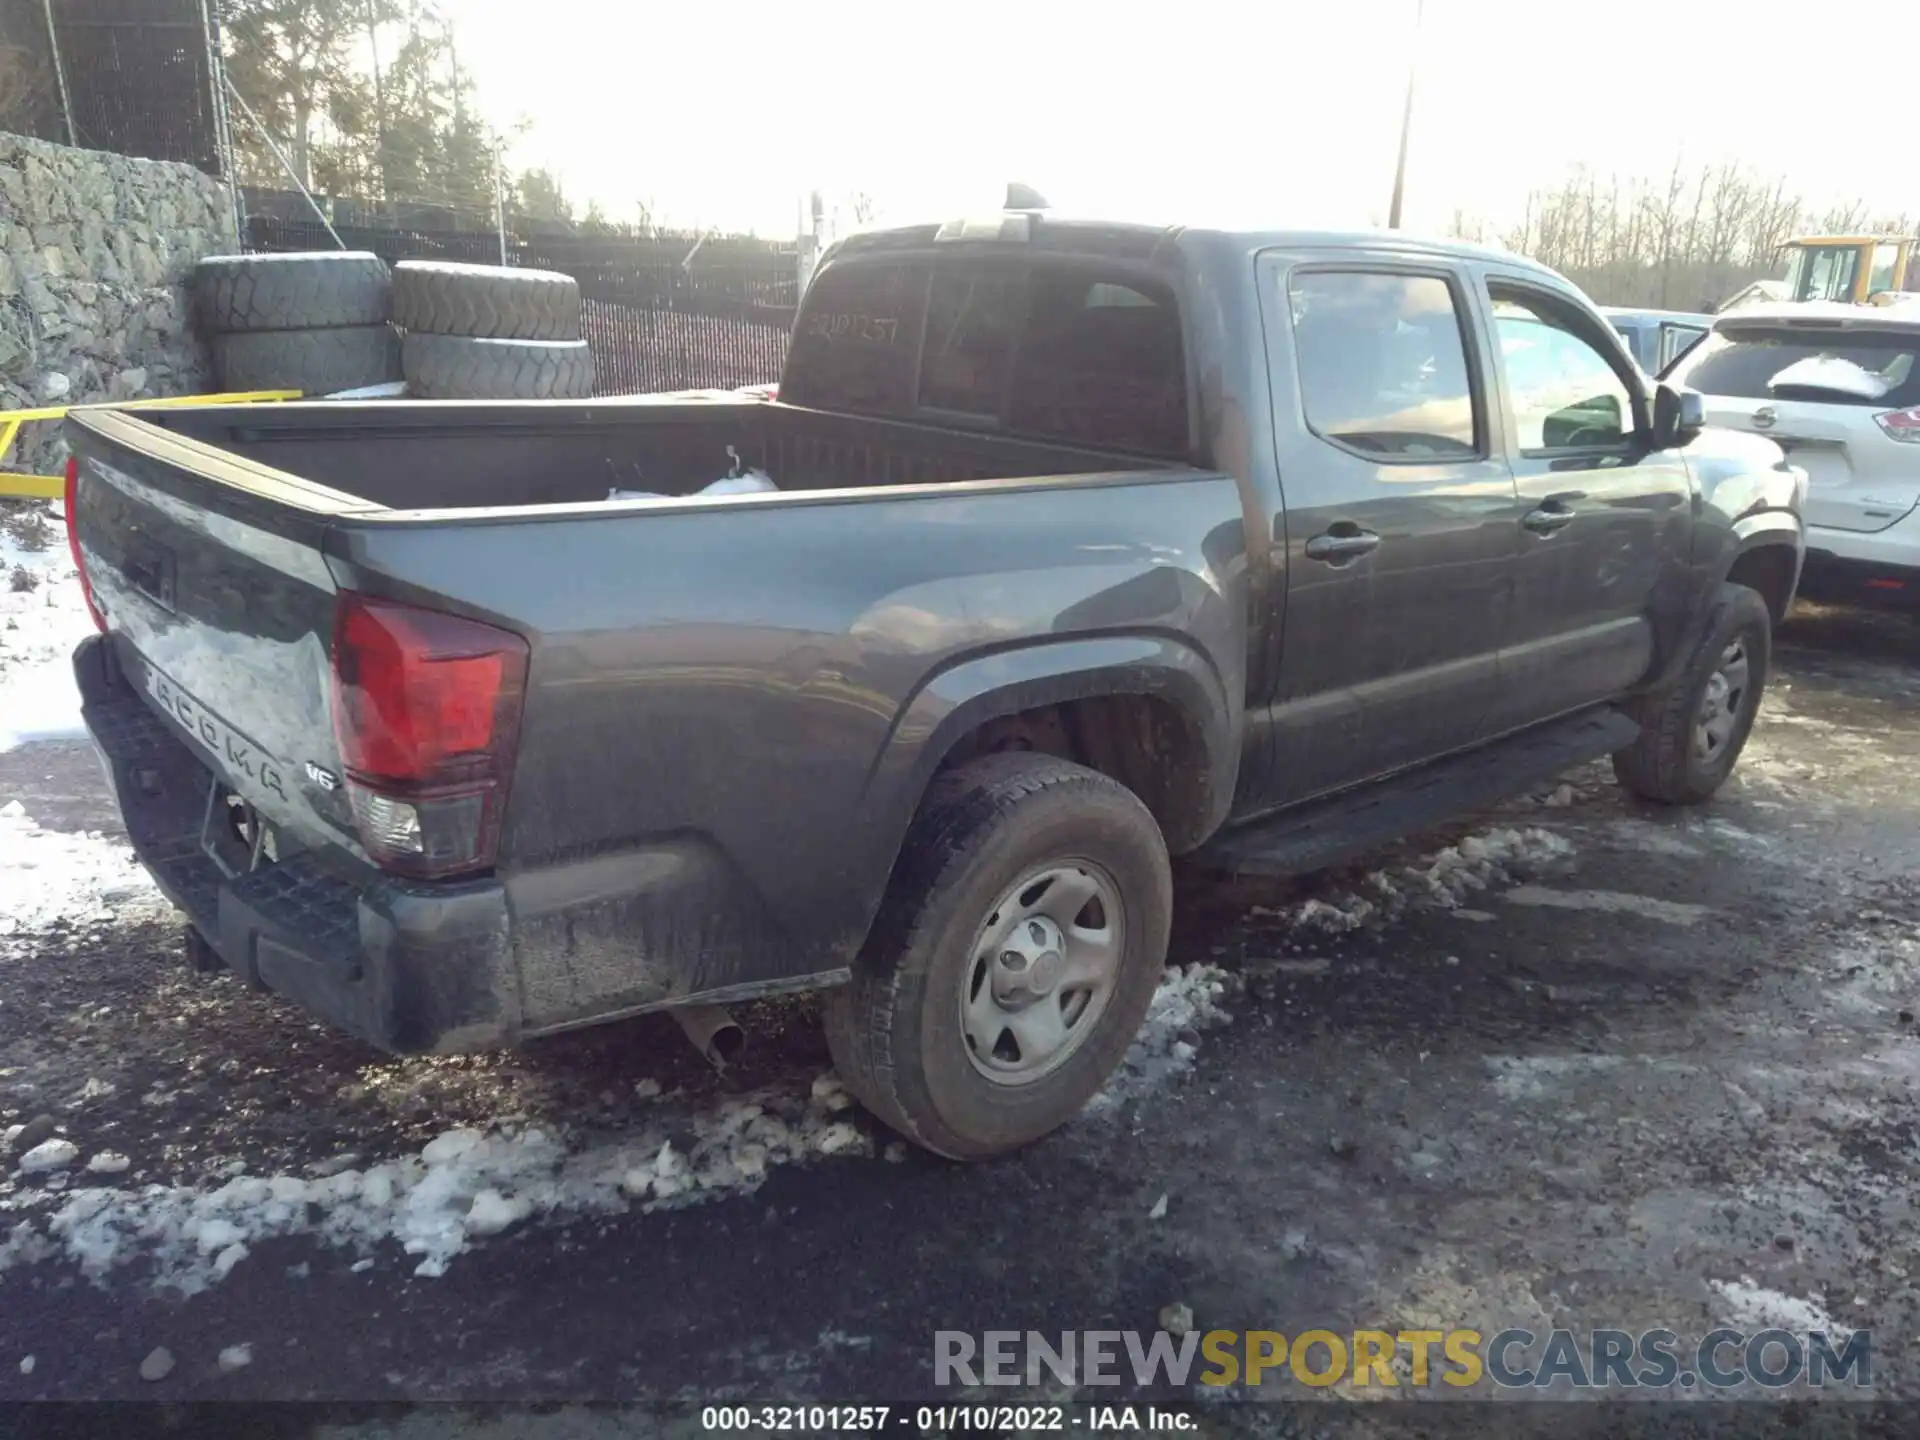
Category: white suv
<point>1838,386</point>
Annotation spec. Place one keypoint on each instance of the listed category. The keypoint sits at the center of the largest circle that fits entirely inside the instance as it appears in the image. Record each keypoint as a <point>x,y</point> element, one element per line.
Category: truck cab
<point>1849,268</point>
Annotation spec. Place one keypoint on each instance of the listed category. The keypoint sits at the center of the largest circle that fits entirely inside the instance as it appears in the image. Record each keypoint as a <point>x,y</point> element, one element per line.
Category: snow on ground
<point>1445,881</point>
<point>1754,1307</point>
<point>40,622</point>
<point>1186,1004</point>
<point>1666,912</point>
<point>48,877</point>
<point>463,1185</point>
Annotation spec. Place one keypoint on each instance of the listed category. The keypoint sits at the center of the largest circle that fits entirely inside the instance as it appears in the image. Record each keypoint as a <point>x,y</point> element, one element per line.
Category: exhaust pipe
<point>712,1030</point>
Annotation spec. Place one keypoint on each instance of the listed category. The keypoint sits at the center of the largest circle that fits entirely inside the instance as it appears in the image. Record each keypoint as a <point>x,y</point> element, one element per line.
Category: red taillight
<point>426,709</point>
<point>73,540</point>
<point>1902,424</point>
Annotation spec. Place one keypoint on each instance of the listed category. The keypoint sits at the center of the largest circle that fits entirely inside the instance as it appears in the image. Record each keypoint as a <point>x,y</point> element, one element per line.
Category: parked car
<point>1756,292</point>
<point>1094,545</point>
<point>1656,338</point>
<point>1835,386</point>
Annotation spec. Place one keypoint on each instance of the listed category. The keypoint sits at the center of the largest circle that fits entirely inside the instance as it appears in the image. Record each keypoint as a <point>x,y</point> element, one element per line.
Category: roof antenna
<point>1024,197</point>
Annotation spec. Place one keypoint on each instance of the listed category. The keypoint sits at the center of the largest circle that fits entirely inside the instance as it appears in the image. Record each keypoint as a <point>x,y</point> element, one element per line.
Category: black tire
<point>239,294</point>
<point>1663,764</point>
<point>315,362</point>
<point>895,1029</point>
<point>490,301</point>
<point>462,367</point>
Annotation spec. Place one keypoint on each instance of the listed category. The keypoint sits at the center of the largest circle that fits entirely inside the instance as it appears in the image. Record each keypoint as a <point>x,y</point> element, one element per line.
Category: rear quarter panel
<point>733,706</point>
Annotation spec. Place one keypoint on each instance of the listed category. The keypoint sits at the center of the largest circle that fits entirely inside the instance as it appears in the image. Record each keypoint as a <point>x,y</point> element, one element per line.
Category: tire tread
<point>491,302</point>
<point>462,367</point>
<point>245,294</point>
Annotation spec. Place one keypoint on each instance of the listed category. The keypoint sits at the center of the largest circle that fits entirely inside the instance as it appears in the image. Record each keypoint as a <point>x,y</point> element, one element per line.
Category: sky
<point>1276,111</point>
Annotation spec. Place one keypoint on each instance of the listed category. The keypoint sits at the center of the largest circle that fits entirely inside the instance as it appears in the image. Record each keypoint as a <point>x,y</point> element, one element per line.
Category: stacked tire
<point>314,322</point>
<point>488,332</point>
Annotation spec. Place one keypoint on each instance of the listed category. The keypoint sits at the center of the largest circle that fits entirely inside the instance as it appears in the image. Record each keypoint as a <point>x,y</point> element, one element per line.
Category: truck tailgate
<point>220,610</point>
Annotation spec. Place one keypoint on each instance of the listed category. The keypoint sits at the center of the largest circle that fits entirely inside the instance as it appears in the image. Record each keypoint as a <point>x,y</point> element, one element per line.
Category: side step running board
<point>1328,831</point>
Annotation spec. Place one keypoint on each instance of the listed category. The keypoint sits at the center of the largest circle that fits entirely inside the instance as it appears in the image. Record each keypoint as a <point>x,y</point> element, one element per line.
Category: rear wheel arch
<point>1149,711</point>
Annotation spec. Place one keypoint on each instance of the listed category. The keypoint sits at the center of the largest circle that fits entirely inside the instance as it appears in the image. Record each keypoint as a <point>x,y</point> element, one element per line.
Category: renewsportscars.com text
<point>1509,1359</point>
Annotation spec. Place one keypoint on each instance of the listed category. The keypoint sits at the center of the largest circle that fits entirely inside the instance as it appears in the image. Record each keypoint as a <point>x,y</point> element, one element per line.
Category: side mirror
<point>1679,415</point>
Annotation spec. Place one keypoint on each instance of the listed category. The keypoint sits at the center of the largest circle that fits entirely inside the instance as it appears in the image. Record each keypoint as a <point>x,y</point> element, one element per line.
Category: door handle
<point>1548,518</point>
<point>1337,547</point>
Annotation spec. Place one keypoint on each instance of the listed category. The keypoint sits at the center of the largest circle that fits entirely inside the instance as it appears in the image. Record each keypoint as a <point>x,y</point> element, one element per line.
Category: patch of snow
<point>27,1363</point>
<point>109,1162</point>
<point>1616,902</point>
<point>24,1246</point>
<point>465,1184</point>
<point>1445,881</point>
<point>235,1357</point>
<point>47,876</point>
<point>1186,1001</point>
<point>1754,1307</point>
<point>49,1155</point>
<point>492,1212</point>
<point>39,628</point>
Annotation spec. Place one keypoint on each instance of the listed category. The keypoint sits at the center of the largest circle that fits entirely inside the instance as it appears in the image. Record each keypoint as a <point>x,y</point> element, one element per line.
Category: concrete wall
<point>95,250</point>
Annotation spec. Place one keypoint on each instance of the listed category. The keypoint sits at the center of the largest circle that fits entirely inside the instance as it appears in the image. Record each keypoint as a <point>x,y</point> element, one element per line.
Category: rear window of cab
<point>1063,351</point>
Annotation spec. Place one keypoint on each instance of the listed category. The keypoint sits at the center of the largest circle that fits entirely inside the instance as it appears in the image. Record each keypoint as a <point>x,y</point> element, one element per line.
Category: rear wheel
<point>1013,958</point>
<point>1692,732</point>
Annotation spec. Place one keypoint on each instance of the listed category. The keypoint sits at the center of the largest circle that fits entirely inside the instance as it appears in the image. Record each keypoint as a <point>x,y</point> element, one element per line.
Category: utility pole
<point>499,200</point>
<point>1406,122</point>
<point>379,100</point>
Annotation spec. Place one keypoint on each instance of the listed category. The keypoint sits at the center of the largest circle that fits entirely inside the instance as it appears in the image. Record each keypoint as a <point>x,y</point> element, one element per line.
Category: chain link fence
<point>668,312</point>
<point>29,95</point>
<point>136,77</point>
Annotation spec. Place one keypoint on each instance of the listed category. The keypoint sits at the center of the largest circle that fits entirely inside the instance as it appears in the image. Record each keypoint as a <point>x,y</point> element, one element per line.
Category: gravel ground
<point>1628,1067</point>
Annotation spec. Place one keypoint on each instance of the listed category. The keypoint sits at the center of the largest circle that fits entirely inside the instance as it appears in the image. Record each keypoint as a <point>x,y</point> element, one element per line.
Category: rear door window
<point>1750,363</point>
<point>1675,341</point>
<point>1383,364</point>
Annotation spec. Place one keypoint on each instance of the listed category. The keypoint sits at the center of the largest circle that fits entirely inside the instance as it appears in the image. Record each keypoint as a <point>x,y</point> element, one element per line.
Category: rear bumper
<point>1853,567</point>
<point>408,967</point>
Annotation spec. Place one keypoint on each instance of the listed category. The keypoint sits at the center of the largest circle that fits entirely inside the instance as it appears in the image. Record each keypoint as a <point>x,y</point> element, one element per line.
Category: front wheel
<point>1012,960</point>
<point>1692,732</point>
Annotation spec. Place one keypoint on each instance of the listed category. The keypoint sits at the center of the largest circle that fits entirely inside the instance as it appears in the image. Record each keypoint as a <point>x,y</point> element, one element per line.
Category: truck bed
<point>458,456</point>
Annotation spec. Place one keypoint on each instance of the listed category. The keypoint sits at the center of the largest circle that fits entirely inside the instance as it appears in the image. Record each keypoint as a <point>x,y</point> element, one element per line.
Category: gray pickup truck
<point>1092,545</point>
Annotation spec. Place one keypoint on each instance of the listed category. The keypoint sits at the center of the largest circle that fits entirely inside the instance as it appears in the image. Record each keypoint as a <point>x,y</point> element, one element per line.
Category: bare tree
<point>1687,239</point>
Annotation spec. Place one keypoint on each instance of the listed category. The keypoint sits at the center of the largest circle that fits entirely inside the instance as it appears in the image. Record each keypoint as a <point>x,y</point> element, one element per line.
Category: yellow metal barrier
<point>52,487</point>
